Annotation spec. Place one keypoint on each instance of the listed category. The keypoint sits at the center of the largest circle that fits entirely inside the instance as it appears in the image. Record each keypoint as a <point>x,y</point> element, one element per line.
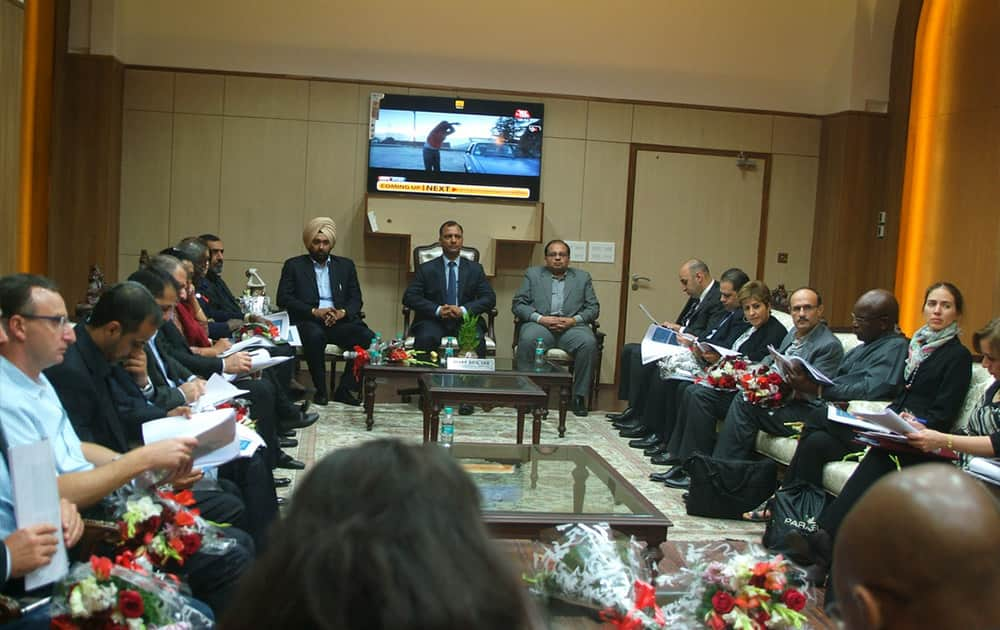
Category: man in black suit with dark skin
<point>444,290</point>
<point>322,295</point>
<point>702,312</point>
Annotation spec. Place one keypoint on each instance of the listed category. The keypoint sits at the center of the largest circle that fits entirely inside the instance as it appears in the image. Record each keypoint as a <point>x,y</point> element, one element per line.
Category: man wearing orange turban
<point>321,293</point>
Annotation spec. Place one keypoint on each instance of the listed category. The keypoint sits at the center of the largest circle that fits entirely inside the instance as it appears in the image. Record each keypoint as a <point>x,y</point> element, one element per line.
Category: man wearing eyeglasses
<point>871,371</point>
<point>557,304</point>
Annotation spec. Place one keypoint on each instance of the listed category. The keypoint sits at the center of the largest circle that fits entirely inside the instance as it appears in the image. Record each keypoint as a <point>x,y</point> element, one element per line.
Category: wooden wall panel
<point>11,43</point>
<point>849,195</point>
<point>86,172</point>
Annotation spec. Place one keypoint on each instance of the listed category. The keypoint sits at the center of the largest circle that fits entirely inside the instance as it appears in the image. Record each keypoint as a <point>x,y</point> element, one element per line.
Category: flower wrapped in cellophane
<point>724,373</point>
<point>164,529</point>
<point>590,566</point>
<point>254,329</point>
<point>763,387</point>
<point>680,365</point>
<point>749,590</point>
<point>101,595</point>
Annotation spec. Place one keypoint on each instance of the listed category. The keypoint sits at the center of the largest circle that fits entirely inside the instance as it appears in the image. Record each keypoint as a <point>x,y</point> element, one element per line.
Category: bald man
<point>321,293</point>
<point>871,371</point>
<point>921,549</point>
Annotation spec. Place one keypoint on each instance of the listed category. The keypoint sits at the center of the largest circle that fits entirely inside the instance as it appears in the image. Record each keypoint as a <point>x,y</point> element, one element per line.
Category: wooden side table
<point>439,389</point>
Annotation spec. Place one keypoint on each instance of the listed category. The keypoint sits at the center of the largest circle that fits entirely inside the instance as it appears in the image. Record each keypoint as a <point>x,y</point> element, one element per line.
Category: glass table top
<point>481,382</point>
<point>502,365</point>
<point>544,479</point>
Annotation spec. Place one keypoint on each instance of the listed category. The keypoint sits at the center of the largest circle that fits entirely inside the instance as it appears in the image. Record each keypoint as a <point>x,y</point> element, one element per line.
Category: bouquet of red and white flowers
<point>589,566</point>
<point>163,528</point>
<point>746,591</point>
<point>763,387</point>
<point>242,407</point>
<point>101,595</point>
<point>724,374</point>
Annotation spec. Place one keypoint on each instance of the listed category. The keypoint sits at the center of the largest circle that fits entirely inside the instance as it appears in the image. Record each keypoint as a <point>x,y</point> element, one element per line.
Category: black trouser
<point>743,420</point>
<point>819,444</point>
<point>263,409</point>
<point>315,336</point>
<point>252,476</point>
<point>660,411</point>
<point>634,380</point>
<point>699,410</point>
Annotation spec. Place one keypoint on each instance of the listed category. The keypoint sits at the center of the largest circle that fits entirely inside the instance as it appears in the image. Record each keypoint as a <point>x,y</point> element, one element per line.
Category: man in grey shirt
<point>557,305</point>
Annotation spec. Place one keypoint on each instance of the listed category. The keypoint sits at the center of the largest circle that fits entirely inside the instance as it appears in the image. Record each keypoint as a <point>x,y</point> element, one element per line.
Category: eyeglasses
<point>60,320</point>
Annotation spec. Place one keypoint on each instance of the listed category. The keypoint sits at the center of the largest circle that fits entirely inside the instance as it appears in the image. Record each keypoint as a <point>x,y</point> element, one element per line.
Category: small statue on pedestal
<point>95,285</point>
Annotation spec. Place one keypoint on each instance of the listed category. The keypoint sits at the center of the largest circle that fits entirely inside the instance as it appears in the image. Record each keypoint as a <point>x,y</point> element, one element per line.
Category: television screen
<point>454,147</point>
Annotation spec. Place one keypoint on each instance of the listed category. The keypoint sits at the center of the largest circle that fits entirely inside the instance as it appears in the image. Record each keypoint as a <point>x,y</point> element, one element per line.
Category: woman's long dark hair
<point>382,536</point>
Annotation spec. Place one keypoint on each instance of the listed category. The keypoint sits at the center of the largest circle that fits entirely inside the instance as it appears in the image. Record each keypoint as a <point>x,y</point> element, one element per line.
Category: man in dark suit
<point>557,304</point>
<point>702,313</point>
<point>322,295</point>
<point>659,415</point>
<point>444,290</point>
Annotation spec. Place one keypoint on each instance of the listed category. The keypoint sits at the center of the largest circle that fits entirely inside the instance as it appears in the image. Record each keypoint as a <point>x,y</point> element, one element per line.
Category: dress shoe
<point>302,421</point>
<point>665,459</point>
<point>287,442</point>
<point>579,406</point>
<point>667,474</point>
<point>680,483</point>
<point>645,442</point>
<point>631,424</point>
<point>655,449</point>
<point>638,432</point>
<point>347,397</point>
<point>465,410</point>
<point>621,417</point>
<point>282,482</point>
<point>684,497</point>
<point>304,407</point>
<point>280,501</point>
<point>286,433</point>
<point>320,399</point>
<point>288,462</point>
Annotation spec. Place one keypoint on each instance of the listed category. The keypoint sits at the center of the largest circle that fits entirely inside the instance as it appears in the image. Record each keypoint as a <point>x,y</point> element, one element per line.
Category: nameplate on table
<point>472,364</point>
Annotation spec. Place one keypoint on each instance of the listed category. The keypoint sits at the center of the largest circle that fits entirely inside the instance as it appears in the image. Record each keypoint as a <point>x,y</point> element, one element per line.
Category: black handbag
<point>723,488</point>
<point>795,507</point>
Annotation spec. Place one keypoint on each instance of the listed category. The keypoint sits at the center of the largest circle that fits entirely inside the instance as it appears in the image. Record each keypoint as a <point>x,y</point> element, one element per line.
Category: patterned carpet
<point>341,426</point>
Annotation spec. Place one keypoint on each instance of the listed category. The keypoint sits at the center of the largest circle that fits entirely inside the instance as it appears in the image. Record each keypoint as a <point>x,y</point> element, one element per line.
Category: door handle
<point>636,279</point>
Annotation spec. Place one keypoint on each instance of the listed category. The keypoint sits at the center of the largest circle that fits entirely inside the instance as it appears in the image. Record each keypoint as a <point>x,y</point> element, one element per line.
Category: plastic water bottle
<point>447,428</point>
<point>373,353</point>
<point>539,354</point>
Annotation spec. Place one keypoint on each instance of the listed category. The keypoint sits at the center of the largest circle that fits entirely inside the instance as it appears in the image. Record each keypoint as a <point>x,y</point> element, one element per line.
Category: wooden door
<point>688,205</point>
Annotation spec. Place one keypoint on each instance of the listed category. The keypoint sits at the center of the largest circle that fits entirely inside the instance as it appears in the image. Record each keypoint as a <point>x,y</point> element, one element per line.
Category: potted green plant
<point>468,335</point>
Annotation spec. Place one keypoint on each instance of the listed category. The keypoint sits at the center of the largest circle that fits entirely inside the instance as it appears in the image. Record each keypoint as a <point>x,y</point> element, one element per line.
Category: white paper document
<point>783,364</point>
<point>642,307</point>
<point>873,423</point>
<point>218,389</point>
<point>262,359</point>
<point>659,342</point>
<point>722,351</point>
<point>247,344</point>
<point>986,469</point>
<point>36,501</point>
<point>887,418</point>
<point>214,430</point>
<point>249,440</point>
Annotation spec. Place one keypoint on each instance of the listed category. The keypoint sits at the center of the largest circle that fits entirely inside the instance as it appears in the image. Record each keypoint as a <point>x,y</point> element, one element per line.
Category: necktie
<point>452,288</point>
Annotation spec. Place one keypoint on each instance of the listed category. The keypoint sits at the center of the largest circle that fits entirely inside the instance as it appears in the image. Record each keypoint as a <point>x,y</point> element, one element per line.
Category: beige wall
<point>11,38</point>
<point>251,158</point>
<point>818,56</point>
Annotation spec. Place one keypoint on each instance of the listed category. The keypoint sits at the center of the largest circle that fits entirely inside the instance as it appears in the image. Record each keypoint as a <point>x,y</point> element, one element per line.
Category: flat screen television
<point>434,145</point>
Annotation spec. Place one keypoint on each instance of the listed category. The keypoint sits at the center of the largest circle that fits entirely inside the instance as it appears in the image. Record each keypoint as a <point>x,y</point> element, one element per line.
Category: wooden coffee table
<point>551,375</point>
<point>489,389</point>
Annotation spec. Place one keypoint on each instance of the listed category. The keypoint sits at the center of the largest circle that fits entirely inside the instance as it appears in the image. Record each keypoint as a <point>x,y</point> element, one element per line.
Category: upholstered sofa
<point>836,474</point>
